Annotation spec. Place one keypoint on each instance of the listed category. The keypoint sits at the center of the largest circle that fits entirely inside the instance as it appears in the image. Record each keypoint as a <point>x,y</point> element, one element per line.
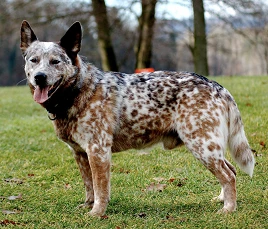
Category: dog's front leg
<point>85,170</point>
<point>100,163</point>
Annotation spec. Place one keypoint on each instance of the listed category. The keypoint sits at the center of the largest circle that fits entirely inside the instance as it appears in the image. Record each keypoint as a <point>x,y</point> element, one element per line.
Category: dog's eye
<point>55,61</point>
<point>33,60</point>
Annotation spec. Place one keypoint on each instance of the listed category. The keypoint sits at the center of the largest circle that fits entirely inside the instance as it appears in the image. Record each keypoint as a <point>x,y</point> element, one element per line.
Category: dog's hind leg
<point>211,155</point>
<point>220,198</point>
<point>227,179</point>
<point>207,140</point>
<point>85,170</point>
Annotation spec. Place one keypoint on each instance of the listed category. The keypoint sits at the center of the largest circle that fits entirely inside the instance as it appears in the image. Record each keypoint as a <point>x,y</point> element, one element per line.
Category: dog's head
<point>50,65</point>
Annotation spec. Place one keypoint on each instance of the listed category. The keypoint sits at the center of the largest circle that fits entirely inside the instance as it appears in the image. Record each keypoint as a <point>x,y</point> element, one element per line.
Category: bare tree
<point>200,39</point>
<point>237,38</point>
<point>104,36</point>
<point>249,21</point>
<point>146,27</point>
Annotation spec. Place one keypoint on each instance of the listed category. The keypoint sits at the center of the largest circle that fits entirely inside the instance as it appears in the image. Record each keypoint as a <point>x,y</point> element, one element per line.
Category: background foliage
<point>236,34</point>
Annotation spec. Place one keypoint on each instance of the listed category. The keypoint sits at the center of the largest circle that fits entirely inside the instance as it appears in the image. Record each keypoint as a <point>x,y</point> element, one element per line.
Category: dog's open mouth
<point>43,93</point>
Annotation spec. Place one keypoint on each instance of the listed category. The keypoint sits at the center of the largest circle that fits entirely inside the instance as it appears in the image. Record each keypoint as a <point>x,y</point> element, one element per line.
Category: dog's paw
<point>225,210</point>
<point>86,205</point>
<point>96,213</point>
<point>217,199</point>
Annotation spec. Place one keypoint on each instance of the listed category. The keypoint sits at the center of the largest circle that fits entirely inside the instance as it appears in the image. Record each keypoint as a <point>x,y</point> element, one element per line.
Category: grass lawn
<point>40,185</point>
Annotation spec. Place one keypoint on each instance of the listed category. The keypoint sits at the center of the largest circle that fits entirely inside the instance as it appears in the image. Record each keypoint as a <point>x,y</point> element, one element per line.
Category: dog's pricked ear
<point>71,41</point>
<point>27,36</point>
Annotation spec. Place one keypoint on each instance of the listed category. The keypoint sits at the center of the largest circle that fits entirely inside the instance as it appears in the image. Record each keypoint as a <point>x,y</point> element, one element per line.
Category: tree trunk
<point>200,41</point>
<point>146,28</point>
<point>104,36</point>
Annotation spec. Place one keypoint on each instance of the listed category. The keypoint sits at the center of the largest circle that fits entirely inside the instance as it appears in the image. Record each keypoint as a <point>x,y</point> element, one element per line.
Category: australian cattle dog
<point>97,113</point>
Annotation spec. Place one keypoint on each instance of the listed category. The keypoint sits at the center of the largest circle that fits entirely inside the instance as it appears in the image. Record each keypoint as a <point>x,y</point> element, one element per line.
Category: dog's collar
<point>51,117</point>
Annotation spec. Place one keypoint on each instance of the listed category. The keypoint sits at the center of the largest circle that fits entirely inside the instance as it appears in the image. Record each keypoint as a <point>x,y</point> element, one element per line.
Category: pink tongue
<point>41,94</point>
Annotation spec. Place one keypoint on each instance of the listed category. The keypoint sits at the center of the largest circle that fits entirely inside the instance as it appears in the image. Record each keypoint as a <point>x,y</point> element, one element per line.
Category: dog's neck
<point>61,101</point>
<point>58,105</point>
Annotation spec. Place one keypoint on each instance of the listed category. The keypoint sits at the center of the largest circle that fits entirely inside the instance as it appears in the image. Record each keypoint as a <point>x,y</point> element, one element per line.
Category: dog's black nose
<point>40,78</point>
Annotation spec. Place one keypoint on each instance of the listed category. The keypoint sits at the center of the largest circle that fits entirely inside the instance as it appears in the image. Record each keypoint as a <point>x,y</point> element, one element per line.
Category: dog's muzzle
<point>43,91</point>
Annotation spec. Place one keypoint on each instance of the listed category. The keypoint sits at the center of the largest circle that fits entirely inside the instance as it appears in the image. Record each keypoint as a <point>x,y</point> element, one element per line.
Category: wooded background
<point>220,37</point>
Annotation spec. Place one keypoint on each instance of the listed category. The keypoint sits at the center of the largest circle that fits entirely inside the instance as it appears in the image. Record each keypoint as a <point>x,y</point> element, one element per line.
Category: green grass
<point>52,187</point>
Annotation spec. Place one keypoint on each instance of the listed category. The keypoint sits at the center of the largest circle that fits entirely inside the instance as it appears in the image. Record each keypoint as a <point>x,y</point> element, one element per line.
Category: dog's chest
<point>90,119</point>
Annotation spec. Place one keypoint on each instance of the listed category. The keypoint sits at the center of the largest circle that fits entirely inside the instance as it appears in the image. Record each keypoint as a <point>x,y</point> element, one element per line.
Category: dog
<point>97,113</point>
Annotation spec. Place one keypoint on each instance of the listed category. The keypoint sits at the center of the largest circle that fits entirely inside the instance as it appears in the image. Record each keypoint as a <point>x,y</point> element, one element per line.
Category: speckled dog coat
<point>97,113</point>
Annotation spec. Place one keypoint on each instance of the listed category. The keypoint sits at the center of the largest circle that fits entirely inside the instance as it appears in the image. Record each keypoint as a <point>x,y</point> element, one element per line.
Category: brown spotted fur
<point>97,113</point>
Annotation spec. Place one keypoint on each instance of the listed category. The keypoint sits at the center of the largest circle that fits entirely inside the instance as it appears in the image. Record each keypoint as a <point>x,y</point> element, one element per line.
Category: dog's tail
<point>238,143</point>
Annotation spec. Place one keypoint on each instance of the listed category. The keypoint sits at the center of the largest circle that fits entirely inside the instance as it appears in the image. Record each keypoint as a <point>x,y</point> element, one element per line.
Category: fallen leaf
<point>142,214</point>
<point>160,187</point>
<point>30,175</point>
<point>248,104</point>
<point>171,180</point>
<point>14,180</point>
<point>7,222</point>
<point>8,212</point>
<point>105,217</point>
<point>182,182</point>
<point>67,186</point>
<point>170,218</point>
<point>122,170</point>
<point>159,179</point>
<point>262,143</point>
<point>15,197</point>
<point>156,187</point>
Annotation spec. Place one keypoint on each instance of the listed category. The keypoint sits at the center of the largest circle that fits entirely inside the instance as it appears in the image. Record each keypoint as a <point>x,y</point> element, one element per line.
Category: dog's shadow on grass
<point>137,208</point>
